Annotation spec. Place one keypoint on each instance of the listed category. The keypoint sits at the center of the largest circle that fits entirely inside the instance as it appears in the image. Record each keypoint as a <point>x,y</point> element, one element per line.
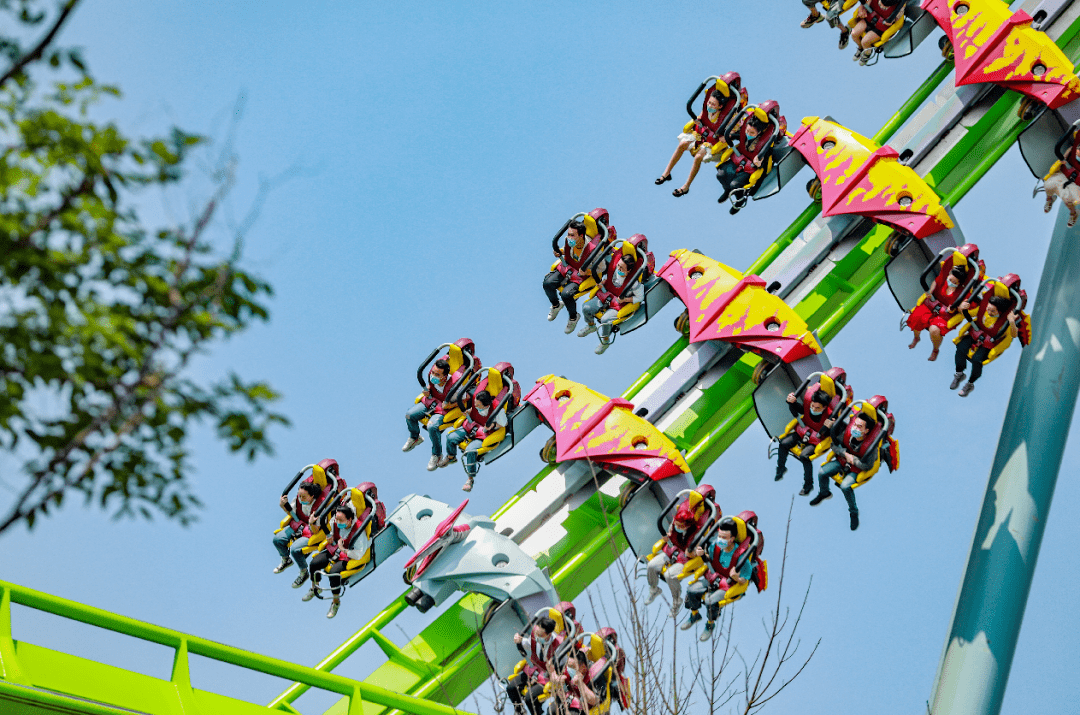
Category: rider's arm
<point>359,546</point>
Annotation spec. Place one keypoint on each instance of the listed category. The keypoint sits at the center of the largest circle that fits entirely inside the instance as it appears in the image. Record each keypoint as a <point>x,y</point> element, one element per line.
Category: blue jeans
<point>455,438</point>
<point>825,476</point>
<point>297,555</point>
<point>282,539</point>
<point>412,421</point>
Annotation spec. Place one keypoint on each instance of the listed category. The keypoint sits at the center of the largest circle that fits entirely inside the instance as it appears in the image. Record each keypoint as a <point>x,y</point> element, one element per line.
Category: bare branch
<point>35,54</point>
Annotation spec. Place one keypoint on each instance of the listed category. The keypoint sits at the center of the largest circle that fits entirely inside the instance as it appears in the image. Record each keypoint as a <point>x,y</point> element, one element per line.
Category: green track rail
<point>594,538</point>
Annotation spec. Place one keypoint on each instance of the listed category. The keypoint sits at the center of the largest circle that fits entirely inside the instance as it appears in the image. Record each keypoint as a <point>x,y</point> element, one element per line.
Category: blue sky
<point>434,149</point>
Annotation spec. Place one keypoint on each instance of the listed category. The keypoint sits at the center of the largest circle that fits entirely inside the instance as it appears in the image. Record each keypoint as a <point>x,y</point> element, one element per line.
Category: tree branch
<point>35,54</point>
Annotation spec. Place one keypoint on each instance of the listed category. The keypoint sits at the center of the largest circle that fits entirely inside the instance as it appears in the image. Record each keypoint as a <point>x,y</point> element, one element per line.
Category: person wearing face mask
<point>847,451</point>
<point>982,340</point>
<point>572,691</point>
<point>559,285</point>
<point>300,512</point>
<point>815,422</point>
<point>724,575</point>
<point>934,312</point>
<point>348,546</point>
<point>526,686</point>
<point>678,550</point>
<point>480,426</point>
<point>434,405</point>
<point>605,310</point>
<point>837,7</point>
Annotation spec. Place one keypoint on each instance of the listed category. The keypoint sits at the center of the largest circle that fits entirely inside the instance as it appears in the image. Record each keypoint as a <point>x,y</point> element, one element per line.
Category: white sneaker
<point>412,442</point>
<point>334,606</point>
<point>601,348</point>
<point>589,329</point>
<point>309,595</point>
<point>433,463</point>
<point>446,460</point>
<point>286,562</point>
<point>300,579</point>
<point>654,591</point>
<point>554,311</point>
<point>572,324</point>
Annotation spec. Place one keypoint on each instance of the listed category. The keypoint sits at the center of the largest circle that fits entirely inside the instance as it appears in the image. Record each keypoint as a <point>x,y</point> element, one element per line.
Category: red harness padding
<point>747,149</point>
<point>301,522</point>
<point>1070,165</point>
<point>608,290</point>
<point>475,424</point>
<point>938,300</point>
<point>718,575</point>
<point>862,450</point>
<point>987,336</point>
<point>711,132</point>
<point>337,554</point>
<point>436,396</point>
<point>811,430</point>
<point>880,15</point>
<point>536,663</point>
<point>572,267</point>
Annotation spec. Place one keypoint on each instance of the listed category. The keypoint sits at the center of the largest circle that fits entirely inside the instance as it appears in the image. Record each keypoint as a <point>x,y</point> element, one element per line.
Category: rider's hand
<point>791,398</point>
<point>284,502</point>
<point>517,638</point>
<point>965,305</point>
<point>829,422</point>
<point>1012,317</point>
<point>698,551</point>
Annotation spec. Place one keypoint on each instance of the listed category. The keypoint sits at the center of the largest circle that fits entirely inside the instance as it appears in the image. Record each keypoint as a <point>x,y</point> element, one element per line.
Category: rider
<point>873,21</point>
<point>813,427</point>
<point>434,405</point>
<point>347,543</point>
<point>851,460</point>
<point>748,157</point>
<point>1063,175</point>
<point>703,137</point>
<point>479,425</point>
<point>307,495</point>
<point>573,693</point>
<point>723,576</point>
<point>538,648</point>
<point>980,339</point>
<point>815,17</point>
<point>607,309</point>
<point>563,283</point>
<point>672,553</point>
<point>934,312</point>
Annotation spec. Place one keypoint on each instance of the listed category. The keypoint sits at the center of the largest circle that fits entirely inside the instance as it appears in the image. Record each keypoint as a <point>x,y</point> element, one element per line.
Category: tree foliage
<point>100,315</point>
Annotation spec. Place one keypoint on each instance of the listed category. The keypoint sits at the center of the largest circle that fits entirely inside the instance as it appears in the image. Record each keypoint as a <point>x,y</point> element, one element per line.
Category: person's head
<point>727,533</point>
<point>956,277</point>
<point>712,106</point>
<point>861,425</point>
<point>483,399</point>
<point>754,127</point>
<point>575,233</point>
<point>819,403</point>
<point>440,371</point>
<point>997,306</point>
<point>543,629</point>
<point>625,266</point>
<point>344,516</point>
<point>578,662</point>
<point>308,492</point>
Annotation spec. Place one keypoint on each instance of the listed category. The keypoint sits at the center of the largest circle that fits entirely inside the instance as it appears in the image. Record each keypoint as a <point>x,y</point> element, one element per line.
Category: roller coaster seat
<point>885,20</point>
<point>461,355</point>
<point>814,437</point>
<point>993,331</point>
<point>326,475</point>
<point>696,507</point>
<point>598,236</point>
<point>729,91</point>
<point>876,447</point>
<point>566,627</point>
<point>750,543</point>
<point>936,302</point>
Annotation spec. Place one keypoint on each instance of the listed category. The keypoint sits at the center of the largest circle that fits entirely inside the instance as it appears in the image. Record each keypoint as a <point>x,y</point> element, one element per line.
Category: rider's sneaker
<point>467,487</point>
<point>845,35</point>
<point>554,311</point>
<point>780,474</point>
<point>966,389</point>
<point>286,562</point>
<point>689,623</point>
<point>822,496</point>
<point>571,324</point>
<point>957,378</point>
<point>708,631</point>
<point>866,55</point>
<point>805,491</point>
<point>601,348</point>
<point>589,329</point>
<point>676,605</point>
<point>854,520</point>
<point>811,20</point>
<point>334,606</point>
<point>654,591</point>
<point>412,442</point>
<point>433,463</point>
<point>446,461</point>
<point>300,579</point>
<point>309,595</point>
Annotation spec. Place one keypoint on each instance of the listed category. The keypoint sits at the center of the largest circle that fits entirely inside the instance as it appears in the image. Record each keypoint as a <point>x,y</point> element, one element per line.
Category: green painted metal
<point>37,679</point>
<point>985,626</point>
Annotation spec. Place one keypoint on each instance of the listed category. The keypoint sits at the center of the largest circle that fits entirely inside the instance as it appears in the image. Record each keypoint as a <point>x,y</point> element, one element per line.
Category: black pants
<point>514,687</point>
<point>807,466</point>
<point>319,562</point>
<point>731,178</point>
<point>554,290</point>
<point>976,360</point>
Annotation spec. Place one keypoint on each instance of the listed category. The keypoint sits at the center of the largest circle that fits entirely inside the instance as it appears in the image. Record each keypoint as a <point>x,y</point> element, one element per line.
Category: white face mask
<point>953,283</point>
